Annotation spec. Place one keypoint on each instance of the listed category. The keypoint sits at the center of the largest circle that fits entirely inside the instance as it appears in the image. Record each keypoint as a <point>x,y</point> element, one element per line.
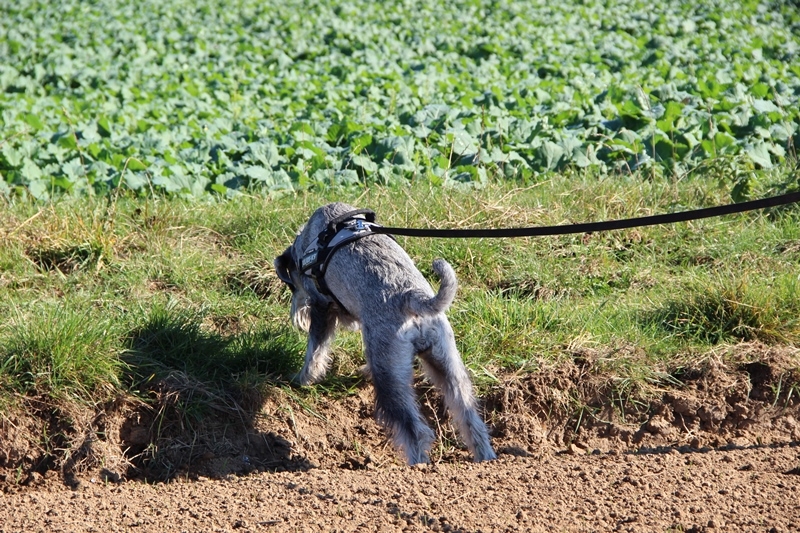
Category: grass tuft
<point>66,259</point>
<point>724,312</point>
<point>60,351</point>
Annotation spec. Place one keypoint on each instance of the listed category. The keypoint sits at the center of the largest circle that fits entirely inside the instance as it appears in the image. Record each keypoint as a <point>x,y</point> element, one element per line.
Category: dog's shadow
<point>202,391</point>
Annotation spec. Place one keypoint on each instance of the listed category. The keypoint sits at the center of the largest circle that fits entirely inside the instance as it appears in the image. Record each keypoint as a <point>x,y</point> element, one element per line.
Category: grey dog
<point>370,283</point>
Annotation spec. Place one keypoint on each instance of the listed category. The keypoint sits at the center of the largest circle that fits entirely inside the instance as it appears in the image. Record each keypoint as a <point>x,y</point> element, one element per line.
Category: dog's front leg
<point>320,335</point>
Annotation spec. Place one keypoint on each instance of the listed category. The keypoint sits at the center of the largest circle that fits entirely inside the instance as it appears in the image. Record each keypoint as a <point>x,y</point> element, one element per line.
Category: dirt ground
<point>752,489</point>
<point>718,451</point>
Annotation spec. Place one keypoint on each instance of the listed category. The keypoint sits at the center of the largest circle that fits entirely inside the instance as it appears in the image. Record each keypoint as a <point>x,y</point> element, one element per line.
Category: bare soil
<point>715,448</point>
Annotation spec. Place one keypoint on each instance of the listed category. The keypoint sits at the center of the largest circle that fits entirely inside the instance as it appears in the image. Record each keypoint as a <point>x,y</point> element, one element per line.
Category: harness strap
<point>341,221</point>
<point>342,230</point>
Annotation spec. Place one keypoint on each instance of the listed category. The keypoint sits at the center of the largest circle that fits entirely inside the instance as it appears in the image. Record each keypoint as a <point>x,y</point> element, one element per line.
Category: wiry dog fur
<point>400,317</point>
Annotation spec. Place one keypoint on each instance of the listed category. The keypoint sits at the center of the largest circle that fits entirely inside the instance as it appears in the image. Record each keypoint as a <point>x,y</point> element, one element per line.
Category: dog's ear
<point>284,264</point>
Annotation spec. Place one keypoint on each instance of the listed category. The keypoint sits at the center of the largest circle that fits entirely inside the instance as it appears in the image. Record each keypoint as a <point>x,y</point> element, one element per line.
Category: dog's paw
<point>485,455</point>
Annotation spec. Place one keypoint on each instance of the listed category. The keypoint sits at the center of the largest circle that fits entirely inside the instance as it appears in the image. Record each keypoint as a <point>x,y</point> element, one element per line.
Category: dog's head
<point>288,272</point>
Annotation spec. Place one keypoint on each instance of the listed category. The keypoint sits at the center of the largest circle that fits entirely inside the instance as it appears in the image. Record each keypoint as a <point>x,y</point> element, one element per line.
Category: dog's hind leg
<point>321,332</point>
<point>390,362</point>
<point>443,364</point>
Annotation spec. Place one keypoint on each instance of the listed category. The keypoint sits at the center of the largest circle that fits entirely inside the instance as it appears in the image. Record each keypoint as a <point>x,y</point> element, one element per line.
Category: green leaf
<point>665,149</point>
<point>264,152</point>
<point>33,121</point>
<point>396,150</point>
<point>463,143</point>
<point>30,171</point>
<point>61,182</point>
<point>73,169</point>
<point>759,154</point>
<point>13,156</point>
<point>760,90</point>
<point>259,174</point>
<point>39,189</point>
<point>359,143</point>
<point>630,109</point>
<point>584,157</point>
<point>135,180</point>
<point>103,127</point>
<point>765,106</point>
<point>724,140</point>
<point>94,150</point>
<point>363,162</point>
<point>68,141</point>
<point>672,111</point>
<point>415,87</point>
<point>136,164</point>
<point>552,153</point>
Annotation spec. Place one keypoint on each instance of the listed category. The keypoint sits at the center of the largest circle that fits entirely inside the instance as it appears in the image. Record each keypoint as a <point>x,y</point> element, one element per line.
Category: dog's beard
<point>301,313</point>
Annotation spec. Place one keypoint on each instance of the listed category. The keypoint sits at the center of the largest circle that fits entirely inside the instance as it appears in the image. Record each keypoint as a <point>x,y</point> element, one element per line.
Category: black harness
<point>342,230</point>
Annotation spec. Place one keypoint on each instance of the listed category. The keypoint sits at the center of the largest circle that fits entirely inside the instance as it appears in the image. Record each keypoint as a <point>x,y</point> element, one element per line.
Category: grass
<point>62,352</point>
<point>105,297</point>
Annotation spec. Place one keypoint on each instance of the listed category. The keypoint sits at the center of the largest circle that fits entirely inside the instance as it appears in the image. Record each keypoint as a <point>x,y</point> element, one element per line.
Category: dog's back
<point>377,265</point>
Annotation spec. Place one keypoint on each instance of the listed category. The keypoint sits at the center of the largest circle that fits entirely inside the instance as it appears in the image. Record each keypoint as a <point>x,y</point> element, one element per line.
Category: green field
<point>224,97</point>
<point>155,158</point>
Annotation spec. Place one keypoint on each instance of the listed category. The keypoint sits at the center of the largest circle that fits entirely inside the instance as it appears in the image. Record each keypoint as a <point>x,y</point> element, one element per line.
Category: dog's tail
<point>424,305</point>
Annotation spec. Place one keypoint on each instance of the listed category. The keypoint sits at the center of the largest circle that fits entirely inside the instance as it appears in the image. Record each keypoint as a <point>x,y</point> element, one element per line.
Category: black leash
<point>590,227</point>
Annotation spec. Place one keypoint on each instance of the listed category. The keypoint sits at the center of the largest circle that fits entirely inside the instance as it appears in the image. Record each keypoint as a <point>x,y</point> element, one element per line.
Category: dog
<point>342,274</point>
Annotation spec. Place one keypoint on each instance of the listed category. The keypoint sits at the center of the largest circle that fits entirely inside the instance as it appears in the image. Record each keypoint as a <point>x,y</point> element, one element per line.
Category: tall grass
<point>102,298</point>
<point>62,352</point>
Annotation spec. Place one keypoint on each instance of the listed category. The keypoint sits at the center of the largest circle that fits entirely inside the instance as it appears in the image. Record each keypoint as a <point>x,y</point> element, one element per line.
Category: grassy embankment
<point>107,298</point>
